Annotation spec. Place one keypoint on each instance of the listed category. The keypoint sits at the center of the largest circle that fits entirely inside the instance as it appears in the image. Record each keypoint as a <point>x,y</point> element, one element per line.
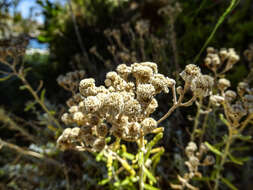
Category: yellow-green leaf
<point>213,149</point>
<point>149,175</point>
<point>228,183</point>
<point>5,78</point>
<point>150,187</point>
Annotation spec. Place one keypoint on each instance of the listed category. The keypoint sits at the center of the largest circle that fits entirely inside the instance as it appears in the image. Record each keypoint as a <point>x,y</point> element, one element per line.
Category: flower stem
<point>141,163</point>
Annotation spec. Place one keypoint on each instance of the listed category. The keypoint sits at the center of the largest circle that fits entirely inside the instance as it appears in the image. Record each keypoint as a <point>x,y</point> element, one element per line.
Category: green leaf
<point>234,160</point>
<point>224,120</point>
<point>149,175</point>
<point>156,157</point>
<point>238,161</point>
<point>52,112</point>
<point>244,138</point>
<point>30,105</point>
<point>228,183</point>
<point>126,182</point>
<point>42,95</point>
<point>150,187</point>
<point>5,78</point>
<point>43,38</point>
<point>213,149</point>
<point>152,143</point>
<point>99,156</point>
<point>108,139</point>
<point>26,70</point>
<point>22,87</point>
<point>103,182</point>
<point>128,155</point>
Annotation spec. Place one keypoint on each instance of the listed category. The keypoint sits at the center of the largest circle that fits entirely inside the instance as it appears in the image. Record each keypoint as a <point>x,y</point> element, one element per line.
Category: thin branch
<point>13,125</point>
<point>25,152</point>
<point>79,38</point>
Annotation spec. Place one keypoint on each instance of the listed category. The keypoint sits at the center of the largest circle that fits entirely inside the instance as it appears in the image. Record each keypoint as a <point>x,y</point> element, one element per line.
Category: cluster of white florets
<point>194,155</point>
<point>200,84</point>
<point>122,107</point>
<point>71,80</point>
<point>223,59</point>
<point>237,104</point>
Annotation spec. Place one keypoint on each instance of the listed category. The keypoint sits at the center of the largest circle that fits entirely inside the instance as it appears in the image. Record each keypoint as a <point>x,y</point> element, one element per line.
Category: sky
<point>25,5</point>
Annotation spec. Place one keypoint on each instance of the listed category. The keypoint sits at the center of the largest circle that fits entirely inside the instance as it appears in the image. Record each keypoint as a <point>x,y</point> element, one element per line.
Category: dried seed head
<point>145,92</point>
<point>74,100</point>
<point>248,98</point>
<point>133,132</point>
<point>249,53</point>
<point>151,107</point>
<point>152,65</point>
<point>216,100</point>
<point>202,85</point>
<point>102,130</point>
<point>85,130</point>
<point>190,72</point>
<point>191,148</point>
<point>148,125</point>
<point>117,131</point>
<point>160,83</point>
<point>124,70</point>
<point>142,73</point>
<point>223,54</point>
<point>142,27</point>
<point>209,160</point>
<point>132,107</point>
<point>223,84</point>
<point>242,88</point>
<point>230,95</point>
<point>236,112</point>
<point>98,144</point>
<point>89,139</point>
<point>210,50</point>
<point>87,87</point>
<point>66,133</point>
<point>115,103</point>
<point>93,119</point>
<point>75,133</point>
<point>73,109</point>
<point>232,59</point>
<point>92,104</point>
<point>79,118</point>
<point>112,76</point>
<point>66,118</point>
<point>194,161</point>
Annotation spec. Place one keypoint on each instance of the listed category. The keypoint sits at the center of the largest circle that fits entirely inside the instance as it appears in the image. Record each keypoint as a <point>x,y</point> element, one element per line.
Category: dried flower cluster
<point>236,105</point>
<point>194,161</point>
<point>13,47</point>
<point>223,59</point>
<point>71,80</point>
<point>170,10</point>
<point>248,53</point>
<point>200,84</point>
<point>122,107</point>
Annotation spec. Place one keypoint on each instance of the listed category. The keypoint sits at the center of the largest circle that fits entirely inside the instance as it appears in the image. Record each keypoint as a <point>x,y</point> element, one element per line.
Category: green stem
<point>37,99</point>
<point>141,163</point>
<point>224,157</point>
<point>203,129</point>
<point>196,121</point>
<point>220,21</point>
